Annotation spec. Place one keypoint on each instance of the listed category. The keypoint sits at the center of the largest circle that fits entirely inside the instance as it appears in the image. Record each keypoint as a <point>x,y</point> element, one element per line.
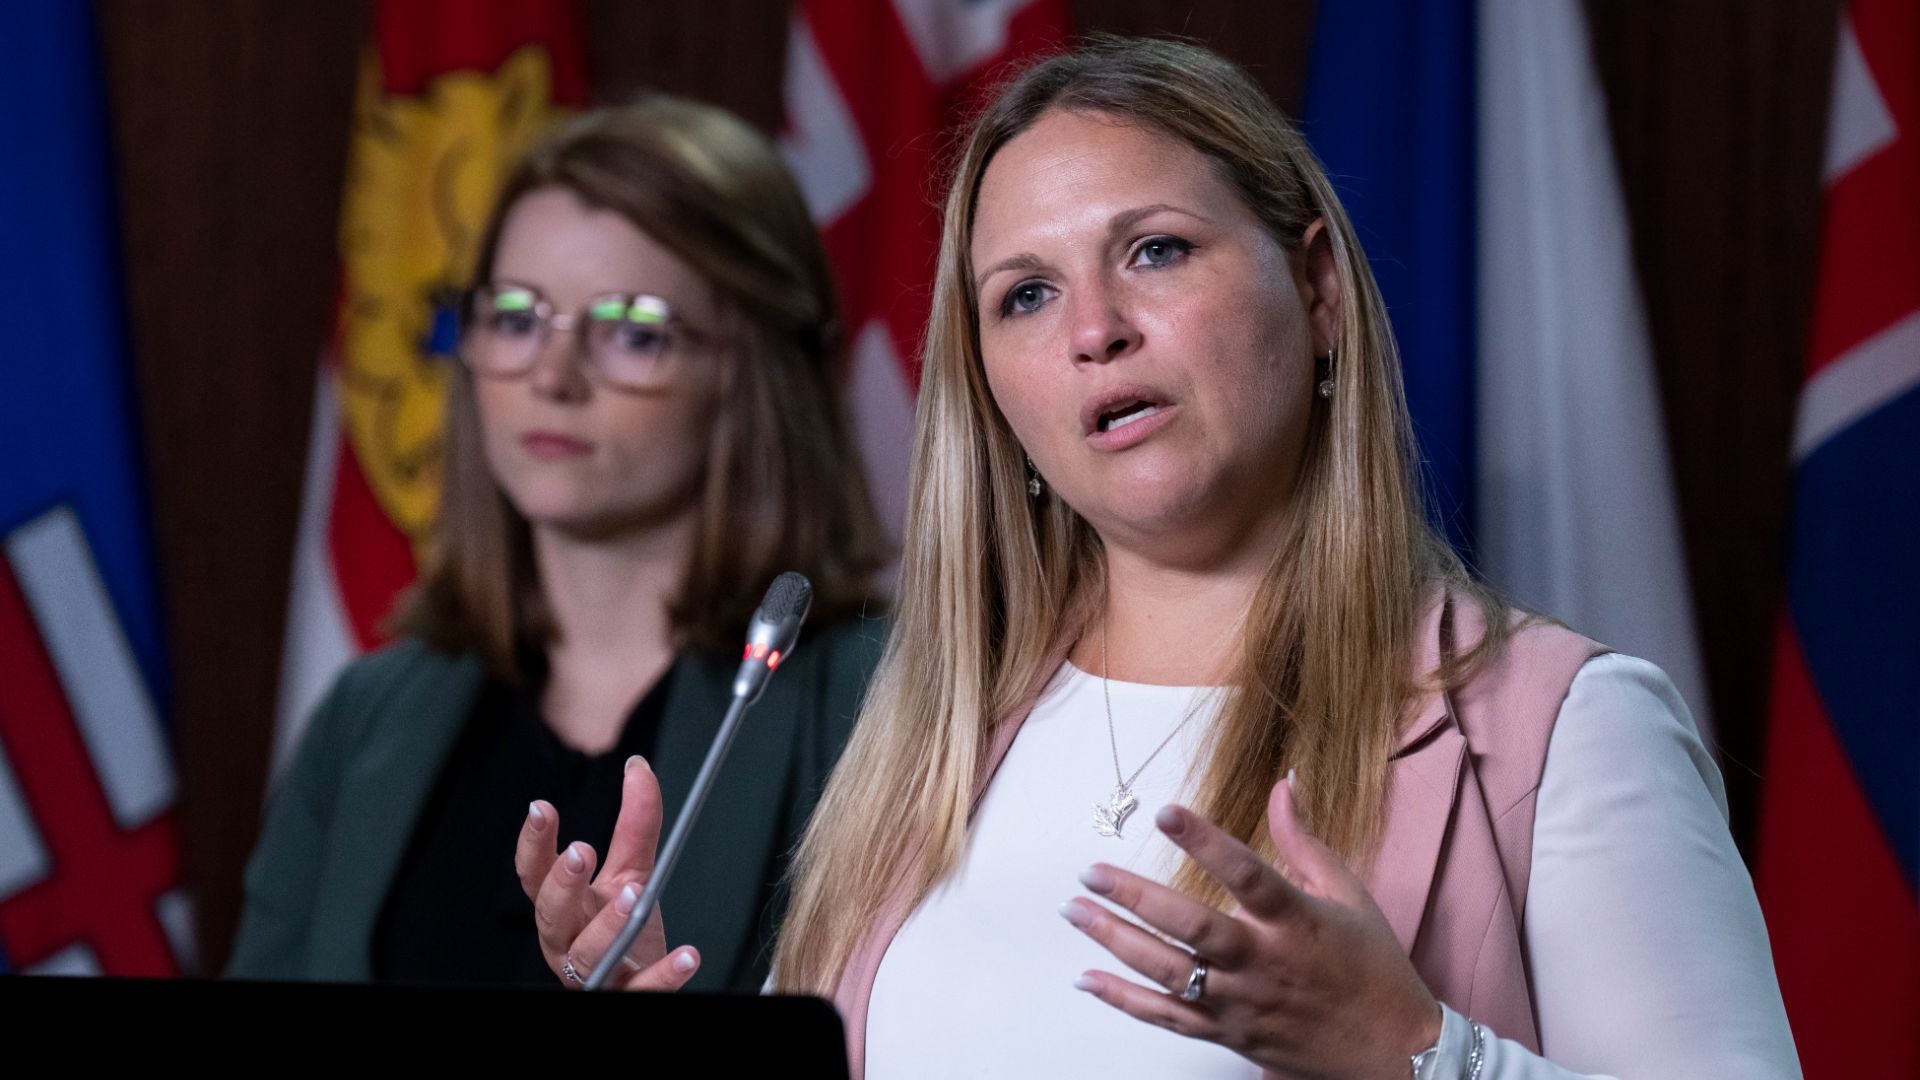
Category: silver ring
<point>568,973</point>
<point>1196,981</point>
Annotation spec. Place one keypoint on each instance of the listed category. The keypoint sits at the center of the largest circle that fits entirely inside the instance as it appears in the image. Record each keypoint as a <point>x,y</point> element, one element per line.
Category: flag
<point>1389,112</point>
<point>872,87</point>
<point>451,92</point>
<point>89,863</point>
<point>1839,853</point>
<point>1469,141</point>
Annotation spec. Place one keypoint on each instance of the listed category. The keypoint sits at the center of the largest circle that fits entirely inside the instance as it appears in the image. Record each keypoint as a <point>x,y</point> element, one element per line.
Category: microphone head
<point>787,599</point>
<point>772,631</point>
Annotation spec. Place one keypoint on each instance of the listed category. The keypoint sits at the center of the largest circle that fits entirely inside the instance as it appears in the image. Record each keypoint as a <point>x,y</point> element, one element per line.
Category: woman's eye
<point>641,339</point>
<point>512,323</point>
<point>1023,299</point>
<point>1160,251</point>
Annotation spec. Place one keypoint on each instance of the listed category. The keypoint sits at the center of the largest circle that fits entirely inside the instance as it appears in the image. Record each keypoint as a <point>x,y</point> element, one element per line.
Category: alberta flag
<point>88,863</point>
<point>1468,140</point>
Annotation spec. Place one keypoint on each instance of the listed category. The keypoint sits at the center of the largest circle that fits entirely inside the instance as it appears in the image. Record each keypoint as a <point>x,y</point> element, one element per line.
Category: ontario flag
<point>1840,815</point>
<point>451,92</point>
<point>89,866</point>
<point>873,87</point>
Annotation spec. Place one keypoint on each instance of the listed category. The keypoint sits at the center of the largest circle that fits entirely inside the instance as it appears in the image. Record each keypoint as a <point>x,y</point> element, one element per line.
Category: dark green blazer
<point>340,819</point>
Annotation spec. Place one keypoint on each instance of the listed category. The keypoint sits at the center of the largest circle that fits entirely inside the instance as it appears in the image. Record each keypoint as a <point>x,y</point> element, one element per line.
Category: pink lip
<point>1133,433</point>
<point>553,446</point>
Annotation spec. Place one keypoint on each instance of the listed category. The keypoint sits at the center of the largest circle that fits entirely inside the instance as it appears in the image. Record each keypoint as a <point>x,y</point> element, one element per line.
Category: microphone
<point>770,636</point>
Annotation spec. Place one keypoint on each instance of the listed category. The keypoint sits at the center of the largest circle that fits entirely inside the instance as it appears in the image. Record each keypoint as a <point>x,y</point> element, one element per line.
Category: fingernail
<point>1086,983</point>
<point>575,861</point>
<point>623,904</point>
<point>684,961</point>
<point>1075,914</point>
<point>631,761</point>
<point>536,815</point>
<point>1170,821</point>
<point>1097,879</point>
<point>1289,777</point>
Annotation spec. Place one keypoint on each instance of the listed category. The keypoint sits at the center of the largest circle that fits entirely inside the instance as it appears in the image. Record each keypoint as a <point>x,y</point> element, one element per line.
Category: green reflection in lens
<point>647,309</point>
<point>610,308</point>
<point>512,300</point>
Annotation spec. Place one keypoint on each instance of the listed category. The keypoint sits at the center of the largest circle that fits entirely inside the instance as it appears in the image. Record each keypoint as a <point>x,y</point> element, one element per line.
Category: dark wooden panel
<point>230,125</point>
<point>728,52</point>
<point>1718,115</point>
<point>1270,39</point>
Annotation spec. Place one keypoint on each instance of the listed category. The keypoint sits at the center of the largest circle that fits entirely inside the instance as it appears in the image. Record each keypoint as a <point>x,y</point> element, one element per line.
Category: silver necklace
<point>1108,818</point>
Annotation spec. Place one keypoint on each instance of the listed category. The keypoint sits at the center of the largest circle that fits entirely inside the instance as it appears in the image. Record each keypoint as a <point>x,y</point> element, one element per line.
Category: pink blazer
<point>1456,852</point>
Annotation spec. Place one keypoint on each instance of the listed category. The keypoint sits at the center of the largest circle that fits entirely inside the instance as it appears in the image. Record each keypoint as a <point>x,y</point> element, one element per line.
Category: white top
<point>1645,943</point>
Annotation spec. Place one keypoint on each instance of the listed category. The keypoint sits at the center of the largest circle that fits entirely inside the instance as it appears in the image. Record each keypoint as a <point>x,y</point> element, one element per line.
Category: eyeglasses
<point>629,339</point>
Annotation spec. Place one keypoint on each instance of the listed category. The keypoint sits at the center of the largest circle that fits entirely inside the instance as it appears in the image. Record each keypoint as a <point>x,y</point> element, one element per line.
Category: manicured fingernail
<point>576,862</point>
<point>684,961</point>
<point>1097,879</point>
<point>536,815</point>
<point>1075,914</point>
<point>1170,821</point>
<point>1086,983</point>
<point>623,904</point>
<point>1289,777</point>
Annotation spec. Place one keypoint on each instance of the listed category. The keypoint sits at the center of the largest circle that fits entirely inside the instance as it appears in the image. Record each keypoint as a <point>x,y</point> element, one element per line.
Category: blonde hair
<point>992,584</point>
<point>783,487</point>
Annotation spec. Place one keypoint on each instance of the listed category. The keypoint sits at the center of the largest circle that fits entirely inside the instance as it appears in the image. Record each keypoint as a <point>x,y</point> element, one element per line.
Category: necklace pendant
<point>1108,819</point>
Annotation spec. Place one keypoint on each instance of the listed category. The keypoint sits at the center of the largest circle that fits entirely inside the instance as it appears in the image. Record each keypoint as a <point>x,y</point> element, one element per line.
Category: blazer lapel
<point>380,799</point>
<point>1423,783</point>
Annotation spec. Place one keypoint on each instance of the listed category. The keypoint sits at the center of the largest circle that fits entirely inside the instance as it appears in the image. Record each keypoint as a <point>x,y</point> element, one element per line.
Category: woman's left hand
<point>1305,979</point>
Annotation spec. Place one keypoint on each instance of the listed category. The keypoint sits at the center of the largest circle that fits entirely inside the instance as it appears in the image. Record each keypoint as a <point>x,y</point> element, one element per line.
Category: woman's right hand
<point>579,913</point>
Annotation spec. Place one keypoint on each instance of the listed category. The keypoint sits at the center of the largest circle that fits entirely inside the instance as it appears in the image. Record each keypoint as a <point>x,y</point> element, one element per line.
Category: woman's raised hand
<point>1305,979</point>
<point>579,913</point>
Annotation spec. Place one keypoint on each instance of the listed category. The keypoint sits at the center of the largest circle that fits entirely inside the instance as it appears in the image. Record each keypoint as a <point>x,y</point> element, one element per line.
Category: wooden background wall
<point>230,121</point>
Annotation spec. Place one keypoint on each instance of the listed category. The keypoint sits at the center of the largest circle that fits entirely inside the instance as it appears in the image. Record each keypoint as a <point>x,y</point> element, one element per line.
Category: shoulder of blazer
<point>407,677</point>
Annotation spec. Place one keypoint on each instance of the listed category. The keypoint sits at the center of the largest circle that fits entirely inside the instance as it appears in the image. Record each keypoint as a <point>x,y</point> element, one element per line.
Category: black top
<point>456,913</point>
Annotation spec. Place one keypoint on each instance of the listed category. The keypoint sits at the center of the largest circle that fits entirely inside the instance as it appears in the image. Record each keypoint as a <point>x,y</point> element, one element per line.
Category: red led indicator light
<point>773,659</point>
<point>759,651</point>
<point>746,652</point>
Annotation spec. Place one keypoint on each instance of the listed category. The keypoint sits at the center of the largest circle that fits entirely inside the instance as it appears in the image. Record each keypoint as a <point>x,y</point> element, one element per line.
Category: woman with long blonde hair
<point>1165,549</point>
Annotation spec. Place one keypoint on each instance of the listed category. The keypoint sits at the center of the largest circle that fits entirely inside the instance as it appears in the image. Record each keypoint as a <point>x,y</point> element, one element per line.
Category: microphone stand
<point>669,854</point>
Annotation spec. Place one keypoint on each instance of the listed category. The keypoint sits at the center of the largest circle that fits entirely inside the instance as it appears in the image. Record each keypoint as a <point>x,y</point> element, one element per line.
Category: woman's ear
<point>1320,290</point>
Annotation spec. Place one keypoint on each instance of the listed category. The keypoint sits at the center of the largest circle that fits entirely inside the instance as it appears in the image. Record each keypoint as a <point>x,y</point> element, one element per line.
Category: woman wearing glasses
<point>642,434</point>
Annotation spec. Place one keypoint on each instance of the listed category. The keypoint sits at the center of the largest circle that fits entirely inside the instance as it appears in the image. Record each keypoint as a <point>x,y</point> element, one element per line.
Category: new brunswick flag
<point>450,93</point>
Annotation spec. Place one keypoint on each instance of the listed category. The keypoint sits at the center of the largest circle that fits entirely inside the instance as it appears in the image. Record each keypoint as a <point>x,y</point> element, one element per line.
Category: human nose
<point>1100,326</point>
<point>557,369</point>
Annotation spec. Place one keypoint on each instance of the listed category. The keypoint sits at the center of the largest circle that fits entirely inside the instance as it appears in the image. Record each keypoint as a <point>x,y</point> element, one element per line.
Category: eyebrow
<point>1121,222</point>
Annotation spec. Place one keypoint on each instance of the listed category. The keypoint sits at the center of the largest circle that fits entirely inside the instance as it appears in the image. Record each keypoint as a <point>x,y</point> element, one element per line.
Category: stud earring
<point>1034,486</point>
<point>1326,384</point>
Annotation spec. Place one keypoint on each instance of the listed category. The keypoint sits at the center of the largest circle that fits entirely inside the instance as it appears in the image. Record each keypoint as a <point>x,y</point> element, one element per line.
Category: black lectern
<point>271,1027</point>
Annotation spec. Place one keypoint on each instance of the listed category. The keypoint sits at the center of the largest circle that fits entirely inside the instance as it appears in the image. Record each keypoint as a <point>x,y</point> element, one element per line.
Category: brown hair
<point>993,583</point>
<point>784,488</point>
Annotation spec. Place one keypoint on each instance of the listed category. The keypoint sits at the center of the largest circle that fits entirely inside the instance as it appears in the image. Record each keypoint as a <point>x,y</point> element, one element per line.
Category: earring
<point>1326,384</point>
<point>1034,486</point>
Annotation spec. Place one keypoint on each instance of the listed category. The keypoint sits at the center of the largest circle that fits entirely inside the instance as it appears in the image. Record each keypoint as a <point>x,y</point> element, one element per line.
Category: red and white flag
<point>1838,868</point>
<point>872,89</point>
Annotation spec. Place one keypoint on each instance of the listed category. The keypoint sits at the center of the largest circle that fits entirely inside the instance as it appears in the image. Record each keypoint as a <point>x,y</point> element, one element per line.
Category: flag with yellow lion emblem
<point>450,93</point>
